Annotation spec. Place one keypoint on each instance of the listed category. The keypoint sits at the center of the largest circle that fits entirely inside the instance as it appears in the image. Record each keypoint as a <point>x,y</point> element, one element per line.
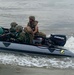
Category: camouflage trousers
<point>30,35</point>
<point>41,34</point>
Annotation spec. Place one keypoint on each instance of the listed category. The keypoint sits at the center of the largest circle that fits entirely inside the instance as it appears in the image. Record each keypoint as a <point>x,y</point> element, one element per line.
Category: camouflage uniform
<point>33,25</point>
<point>28,35</point>
<point>29,30</point>
<point>13,25</point>
<point>19,35</point>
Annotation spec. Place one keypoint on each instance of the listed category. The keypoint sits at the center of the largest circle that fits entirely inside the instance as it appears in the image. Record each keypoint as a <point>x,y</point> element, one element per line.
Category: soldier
<point>32,27</point>
<point>13,25</point>
<point>29,35</point>
<point>19,35</point>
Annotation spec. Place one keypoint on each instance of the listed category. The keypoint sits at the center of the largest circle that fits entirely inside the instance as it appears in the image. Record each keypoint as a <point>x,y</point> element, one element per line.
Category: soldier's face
<point>30,20</point>
<point>17,30</point>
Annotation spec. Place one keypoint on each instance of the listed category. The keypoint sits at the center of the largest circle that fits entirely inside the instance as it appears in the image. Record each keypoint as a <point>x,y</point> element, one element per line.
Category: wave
<point>70,44</point>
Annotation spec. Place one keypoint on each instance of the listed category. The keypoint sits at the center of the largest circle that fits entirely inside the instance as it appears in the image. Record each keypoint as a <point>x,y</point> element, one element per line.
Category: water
<point>54,16</point>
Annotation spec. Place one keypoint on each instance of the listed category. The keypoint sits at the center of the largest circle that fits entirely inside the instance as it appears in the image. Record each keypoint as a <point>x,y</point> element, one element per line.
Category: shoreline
<point>19,70</point>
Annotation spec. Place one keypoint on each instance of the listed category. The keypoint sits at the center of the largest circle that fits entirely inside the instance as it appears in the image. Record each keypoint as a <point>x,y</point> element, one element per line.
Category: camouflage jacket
<point>20,36</point>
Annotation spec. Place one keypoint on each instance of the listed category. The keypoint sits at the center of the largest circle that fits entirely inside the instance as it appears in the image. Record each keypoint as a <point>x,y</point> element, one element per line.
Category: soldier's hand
<point>12,39</point>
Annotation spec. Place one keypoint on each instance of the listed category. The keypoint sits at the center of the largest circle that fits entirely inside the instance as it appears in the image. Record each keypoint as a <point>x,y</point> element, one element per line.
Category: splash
<point>36,61</point>
<point>70,44</point>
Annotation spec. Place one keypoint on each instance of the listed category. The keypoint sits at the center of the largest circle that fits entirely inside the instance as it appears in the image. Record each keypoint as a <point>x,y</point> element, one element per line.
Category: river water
<point>54,16</point>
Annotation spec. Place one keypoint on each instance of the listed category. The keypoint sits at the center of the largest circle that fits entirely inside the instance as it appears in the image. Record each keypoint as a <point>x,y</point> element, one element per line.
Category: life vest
<point>32,25</point>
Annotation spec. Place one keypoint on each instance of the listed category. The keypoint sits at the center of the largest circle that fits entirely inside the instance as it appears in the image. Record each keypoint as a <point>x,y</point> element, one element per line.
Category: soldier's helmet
<point>13,24</point>
<point>32,18</point>
<point>20,28</point>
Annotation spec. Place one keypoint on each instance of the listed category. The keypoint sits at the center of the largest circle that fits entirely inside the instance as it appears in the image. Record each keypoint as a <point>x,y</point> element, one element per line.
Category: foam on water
<point>36,61</point>
<point>70,44</point>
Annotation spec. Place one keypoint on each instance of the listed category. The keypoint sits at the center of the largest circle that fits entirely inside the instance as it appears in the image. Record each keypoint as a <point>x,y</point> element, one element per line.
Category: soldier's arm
<point>36,29</point>
<point>21,37</point>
